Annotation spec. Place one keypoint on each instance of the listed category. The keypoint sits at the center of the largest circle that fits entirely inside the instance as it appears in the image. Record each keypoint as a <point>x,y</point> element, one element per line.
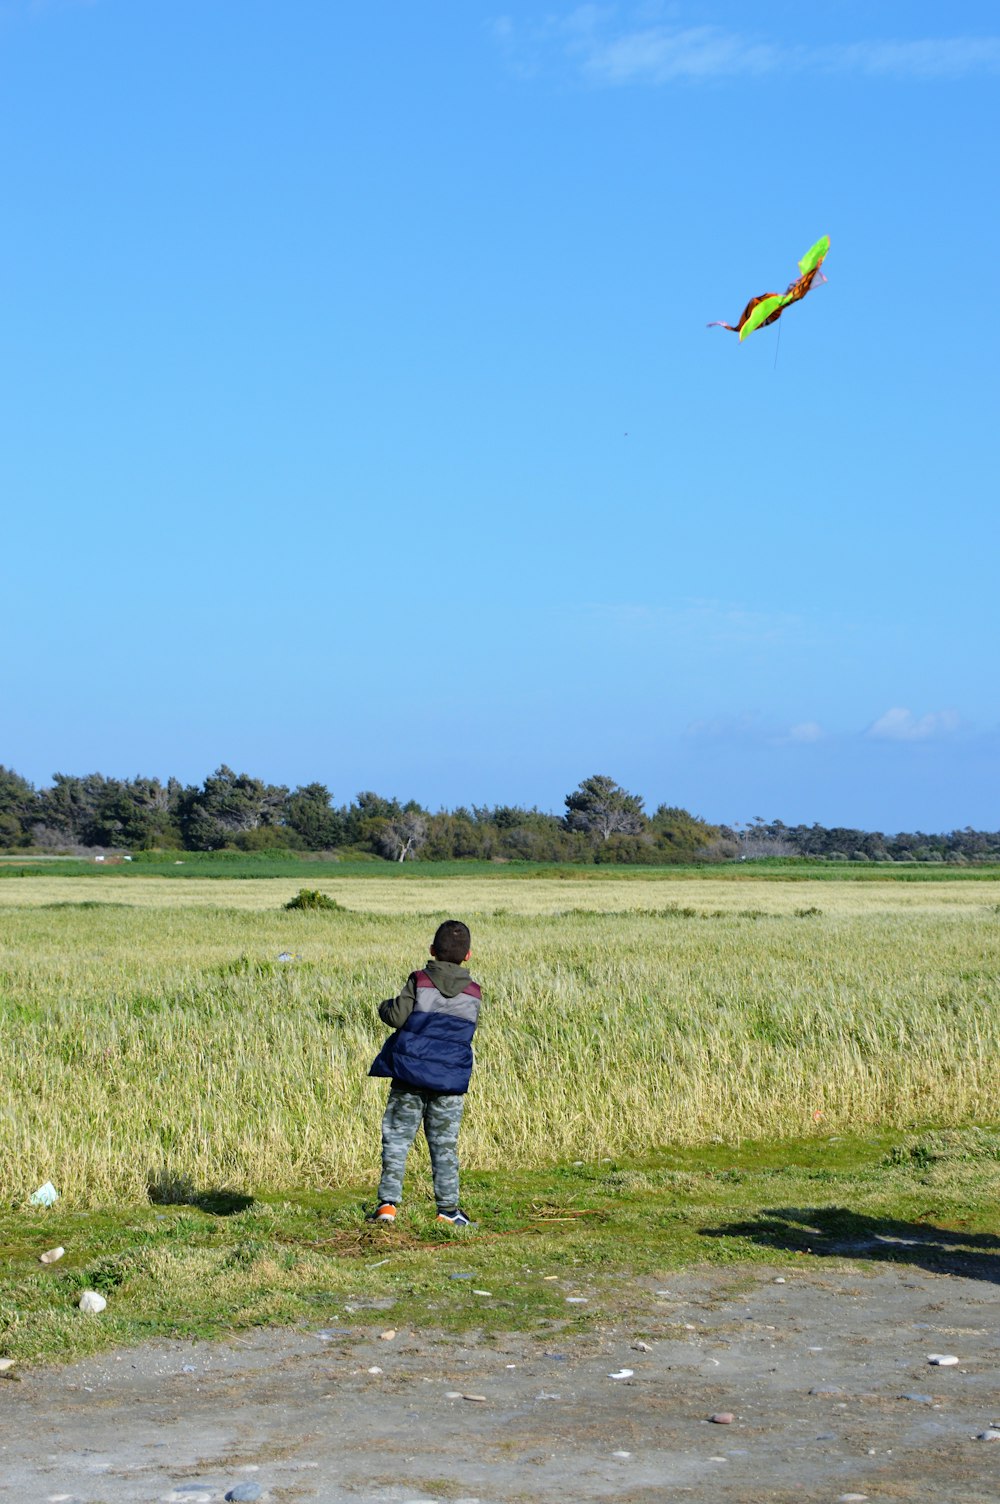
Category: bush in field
<point>312,898</point>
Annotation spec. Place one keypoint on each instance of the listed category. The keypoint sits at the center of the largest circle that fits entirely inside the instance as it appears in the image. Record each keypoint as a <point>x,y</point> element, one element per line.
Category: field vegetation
<point>152,1043</point>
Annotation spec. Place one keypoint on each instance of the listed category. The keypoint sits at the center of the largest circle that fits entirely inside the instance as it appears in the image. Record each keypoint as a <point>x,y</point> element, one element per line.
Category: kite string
<point>777,347</point>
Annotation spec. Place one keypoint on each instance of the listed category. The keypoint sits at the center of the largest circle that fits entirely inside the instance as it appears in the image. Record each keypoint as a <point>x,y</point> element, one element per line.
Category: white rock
<point>482,1292</point>
<point>453,1394</point>
<point>641,1347</point>
<point>6,1363</point>
<point>52,1256</point>
<point>621,1454</point>
<point>387,1336</point>
<point>942,1360</point>
<point>576,1300</point>
<point>990,1434</point>
<point>779,1281</point>
<point>375,1369</point>
<point>92,1303</point>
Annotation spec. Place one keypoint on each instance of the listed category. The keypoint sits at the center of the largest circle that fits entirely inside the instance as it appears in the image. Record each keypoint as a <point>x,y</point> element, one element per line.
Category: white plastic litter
<point>46,1195</point>
<point>623,1373</point>
<point>942,1360</point>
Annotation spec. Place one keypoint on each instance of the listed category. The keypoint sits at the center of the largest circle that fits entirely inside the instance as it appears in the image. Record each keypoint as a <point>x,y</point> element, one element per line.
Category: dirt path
<point>814,1371</point>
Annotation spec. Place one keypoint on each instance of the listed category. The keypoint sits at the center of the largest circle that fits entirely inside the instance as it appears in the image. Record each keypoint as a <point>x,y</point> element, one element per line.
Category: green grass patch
<point>206,1263</point>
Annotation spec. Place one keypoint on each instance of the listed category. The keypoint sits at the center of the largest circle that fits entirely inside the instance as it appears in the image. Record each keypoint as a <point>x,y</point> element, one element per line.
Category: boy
<point>429,1058</point>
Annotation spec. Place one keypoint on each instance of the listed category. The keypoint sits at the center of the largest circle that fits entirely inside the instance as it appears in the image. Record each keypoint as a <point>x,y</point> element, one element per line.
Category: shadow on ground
<point>168,1189</point>
<point>838,1232</point>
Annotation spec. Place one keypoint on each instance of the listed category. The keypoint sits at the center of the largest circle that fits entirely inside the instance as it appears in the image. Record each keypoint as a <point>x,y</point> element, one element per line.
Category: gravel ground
<point>826,1376</point>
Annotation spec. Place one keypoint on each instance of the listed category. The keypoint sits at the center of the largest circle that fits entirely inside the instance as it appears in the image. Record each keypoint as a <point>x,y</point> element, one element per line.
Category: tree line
<point>601,822</point>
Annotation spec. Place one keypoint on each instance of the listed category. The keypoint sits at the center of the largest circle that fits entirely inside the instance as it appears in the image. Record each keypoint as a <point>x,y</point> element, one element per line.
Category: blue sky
<point>360,422</point>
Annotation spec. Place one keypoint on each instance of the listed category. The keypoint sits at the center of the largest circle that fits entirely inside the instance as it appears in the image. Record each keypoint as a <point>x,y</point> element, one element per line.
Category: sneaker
<point>455,1219</point>
<point>384,1213</point>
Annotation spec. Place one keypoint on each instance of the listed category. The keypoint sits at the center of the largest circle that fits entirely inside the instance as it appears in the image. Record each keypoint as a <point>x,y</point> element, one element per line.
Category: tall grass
<point>157,1041</point>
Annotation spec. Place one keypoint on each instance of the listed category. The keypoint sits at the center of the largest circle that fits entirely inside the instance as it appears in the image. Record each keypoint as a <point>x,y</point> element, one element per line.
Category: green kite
<point>768,307</point>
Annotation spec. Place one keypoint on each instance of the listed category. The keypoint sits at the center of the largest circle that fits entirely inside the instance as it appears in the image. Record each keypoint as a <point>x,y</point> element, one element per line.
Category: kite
<point>768,307</point>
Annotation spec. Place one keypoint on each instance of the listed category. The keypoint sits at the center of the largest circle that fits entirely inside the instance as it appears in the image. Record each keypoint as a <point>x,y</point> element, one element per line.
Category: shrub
<point>312,898</point>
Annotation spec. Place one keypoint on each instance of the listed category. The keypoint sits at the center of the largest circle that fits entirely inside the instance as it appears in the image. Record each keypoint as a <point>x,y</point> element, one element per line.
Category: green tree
<point>136,813</point>
<point>228,805</point>
<point>18,807</point>
<point>602,808</point>
<point>67,811</point>
<point>310,814</point>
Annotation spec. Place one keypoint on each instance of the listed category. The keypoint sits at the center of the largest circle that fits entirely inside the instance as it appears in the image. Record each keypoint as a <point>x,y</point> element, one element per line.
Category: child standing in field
<point>429,1058</point>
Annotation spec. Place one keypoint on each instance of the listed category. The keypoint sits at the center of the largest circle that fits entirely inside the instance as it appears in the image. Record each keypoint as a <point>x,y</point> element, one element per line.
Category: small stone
<point>461,1276</point>
<point>780,1280</point>
<point>641,1347</point>
<point>375,1369</point>
<point>52,1256</point>
<point>827,1391</point>
<point>576,1300</point>
<point>6,1363</point>
<point>990,1434</point>
<point>92,1303</point>
<point>621,1454</point>
<point>919,1399</point>
<point>388,1336</point>
<point>942,1360</point>
<point>851,1498</point>
<point>623,1373</point>
<point>482,1292</point>
<point>188,1368</point>
<point>722,1418</point>
<point>244,1493</point>
<point>453,1394</point>
<point>477,1399</point>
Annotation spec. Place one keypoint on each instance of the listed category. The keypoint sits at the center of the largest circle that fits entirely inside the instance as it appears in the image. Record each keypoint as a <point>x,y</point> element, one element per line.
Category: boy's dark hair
<point>452,941</point>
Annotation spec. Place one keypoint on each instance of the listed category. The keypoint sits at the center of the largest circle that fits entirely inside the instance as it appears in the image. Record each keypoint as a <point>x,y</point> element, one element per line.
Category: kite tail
<point>718,324</point>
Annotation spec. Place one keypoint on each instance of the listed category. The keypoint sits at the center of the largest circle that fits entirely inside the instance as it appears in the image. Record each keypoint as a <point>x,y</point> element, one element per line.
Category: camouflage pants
<point>441,1115</point>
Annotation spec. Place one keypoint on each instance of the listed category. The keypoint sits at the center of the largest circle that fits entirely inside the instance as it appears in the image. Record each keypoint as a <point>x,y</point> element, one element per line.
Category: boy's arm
<point>396,1010</point>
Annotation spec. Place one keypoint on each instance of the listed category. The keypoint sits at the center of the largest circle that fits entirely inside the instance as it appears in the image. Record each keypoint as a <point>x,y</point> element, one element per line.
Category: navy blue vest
<point>432,1051</point>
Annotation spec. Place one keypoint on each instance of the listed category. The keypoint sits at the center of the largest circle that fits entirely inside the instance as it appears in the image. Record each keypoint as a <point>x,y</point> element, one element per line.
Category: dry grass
<point>162,1042</point>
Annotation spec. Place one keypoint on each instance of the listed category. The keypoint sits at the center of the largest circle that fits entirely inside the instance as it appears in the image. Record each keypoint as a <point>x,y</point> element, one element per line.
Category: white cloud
<point>901,725</point>
<point>612,48</point>
<point>806,731</point>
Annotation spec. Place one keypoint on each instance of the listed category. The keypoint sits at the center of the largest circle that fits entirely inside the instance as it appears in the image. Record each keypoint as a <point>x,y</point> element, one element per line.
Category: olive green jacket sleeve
<point>396,1010</point>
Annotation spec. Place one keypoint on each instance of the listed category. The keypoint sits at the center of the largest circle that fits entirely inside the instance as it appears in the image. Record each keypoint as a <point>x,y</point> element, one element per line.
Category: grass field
<point>150,1038</point>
